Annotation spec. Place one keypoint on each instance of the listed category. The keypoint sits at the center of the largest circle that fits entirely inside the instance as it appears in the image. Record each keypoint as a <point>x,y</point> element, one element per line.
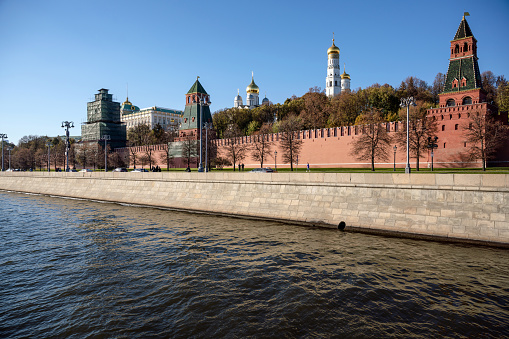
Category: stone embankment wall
<point>471,207</point>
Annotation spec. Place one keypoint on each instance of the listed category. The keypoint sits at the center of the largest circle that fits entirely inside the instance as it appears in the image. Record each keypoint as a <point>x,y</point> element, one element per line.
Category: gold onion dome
<point>333,49</point>
<point>345,75</point>
<point>127,102</point>
<point>252,88</point>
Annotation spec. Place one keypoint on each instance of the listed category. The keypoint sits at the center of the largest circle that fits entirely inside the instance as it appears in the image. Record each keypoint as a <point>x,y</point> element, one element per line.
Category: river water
<point>82,269</point>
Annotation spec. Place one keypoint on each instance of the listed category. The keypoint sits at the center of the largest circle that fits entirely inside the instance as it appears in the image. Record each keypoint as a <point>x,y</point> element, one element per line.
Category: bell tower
<point>333,80</point>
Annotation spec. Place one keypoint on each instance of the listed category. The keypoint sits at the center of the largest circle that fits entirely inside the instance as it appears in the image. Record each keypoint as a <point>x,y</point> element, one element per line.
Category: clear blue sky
<point>56,54</point>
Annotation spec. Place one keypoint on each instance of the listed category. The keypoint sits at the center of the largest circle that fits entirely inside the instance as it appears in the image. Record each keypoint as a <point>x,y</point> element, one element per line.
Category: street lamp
<point>201,102</point>
<point>432,144</point>
<point>106,137</point>
<point>67,125</point>
<point>407,102</point>
<point>3,136</point>
<point>49,161</point>
<point>275,160</point>
<point>395,148</point>
<point>208,126</point>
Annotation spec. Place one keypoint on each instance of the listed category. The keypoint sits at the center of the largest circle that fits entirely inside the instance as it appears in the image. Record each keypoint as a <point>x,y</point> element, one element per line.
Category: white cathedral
<point>252,100</point>
<point>335,82</point>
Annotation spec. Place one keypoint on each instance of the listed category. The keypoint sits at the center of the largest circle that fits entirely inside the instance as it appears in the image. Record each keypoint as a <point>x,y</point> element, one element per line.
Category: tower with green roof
<point>191,117</point>
<point>463,84</point>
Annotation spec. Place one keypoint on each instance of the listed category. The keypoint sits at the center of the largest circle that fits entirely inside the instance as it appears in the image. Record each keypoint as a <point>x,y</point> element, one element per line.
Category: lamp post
<point>3,136</point>
<point>395,148</point>
<point>49,161</point>
<point>201,102</point>
<point>407,102</point>
<point>106,137</point>
<point>208,126</point>
<point>432,144</point>
<point>275,160</point>
<point>67,125</point>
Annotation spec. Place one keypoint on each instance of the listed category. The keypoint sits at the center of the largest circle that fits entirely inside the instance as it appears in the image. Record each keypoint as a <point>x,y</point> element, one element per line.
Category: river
<point>83,269</point>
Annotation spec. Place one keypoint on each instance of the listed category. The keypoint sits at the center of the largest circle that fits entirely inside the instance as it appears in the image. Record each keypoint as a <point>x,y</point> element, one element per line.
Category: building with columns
<point>132,116</point>
<point>335,82</point>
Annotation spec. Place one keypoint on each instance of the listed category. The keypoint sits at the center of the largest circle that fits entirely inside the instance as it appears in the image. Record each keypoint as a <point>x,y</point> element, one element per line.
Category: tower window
<point>467,101</point>
<point>456,127</point>
<point>443,127</point>
<point>444,144</point>
<point>451,103</point>
<point>335,83</point>
<point>457,48</point>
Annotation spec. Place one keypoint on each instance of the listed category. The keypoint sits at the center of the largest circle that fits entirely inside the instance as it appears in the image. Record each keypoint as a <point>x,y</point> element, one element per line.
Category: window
<point>456,127</point>
<point>444,144</point>
<point>464,144</point>
<point>335,83</point>
<point>457,48</point>
<point>443,127</point>
<point>467,101</point>
<point>451,103</point>
<point>450,116</point>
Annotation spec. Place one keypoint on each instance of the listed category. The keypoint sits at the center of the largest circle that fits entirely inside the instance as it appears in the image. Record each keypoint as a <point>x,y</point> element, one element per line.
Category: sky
<point>56,54</point>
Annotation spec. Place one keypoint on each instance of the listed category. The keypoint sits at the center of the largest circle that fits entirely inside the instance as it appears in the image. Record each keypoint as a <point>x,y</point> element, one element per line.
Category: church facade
<point>252,97</point>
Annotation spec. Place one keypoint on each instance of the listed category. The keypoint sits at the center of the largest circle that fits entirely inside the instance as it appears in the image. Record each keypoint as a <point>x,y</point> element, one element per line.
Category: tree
<point>489,84</point>
<point>438,87</point>
<point>167,156</point>
<point>261,147</point>
<point>314,114</point>
<point>420,128</point>
<point>374,141</point>
<point>484,134</point>
<point>290,142</point>
<point>189,149</point>
<point>503,95</point>
<point>133,152</point>
<point>235,149</point>
<point>140,135</point>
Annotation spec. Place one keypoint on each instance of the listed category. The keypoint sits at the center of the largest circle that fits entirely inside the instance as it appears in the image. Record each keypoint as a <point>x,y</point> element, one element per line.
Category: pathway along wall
<point>471,207</point>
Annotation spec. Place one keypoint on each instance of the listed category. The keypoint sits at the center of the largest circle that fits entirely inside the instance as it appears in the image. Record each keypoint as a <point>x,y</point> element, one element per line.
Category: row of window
<point>452,102</point>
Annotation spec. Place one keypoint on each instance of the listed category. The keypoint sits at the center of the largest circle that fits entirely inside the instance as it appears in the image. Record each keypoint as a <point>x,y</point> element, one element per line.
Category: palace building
<point>132,116</point>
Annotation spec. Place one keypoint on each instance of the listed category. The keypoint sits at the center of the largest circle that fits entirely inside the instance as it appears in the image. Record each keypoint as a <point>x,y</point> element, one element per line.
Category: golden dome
<point>127,102</point>
<point>252,88</point>
<point>345,75</point>
<point>333,49</point>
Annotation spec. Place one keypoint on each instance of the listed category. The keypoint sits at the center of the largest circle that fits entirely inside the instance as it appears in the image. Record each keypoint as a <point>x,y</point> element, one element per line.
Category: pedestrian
<point>307,170</point>
<point>242,167</point>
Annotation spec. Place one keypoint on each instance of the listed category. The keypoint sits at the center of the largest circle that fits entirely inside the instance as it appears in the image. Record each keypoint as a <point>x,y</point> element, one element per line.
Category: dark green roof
<point>197,88</point>
<point>459,68</point>
<point>463,31</point>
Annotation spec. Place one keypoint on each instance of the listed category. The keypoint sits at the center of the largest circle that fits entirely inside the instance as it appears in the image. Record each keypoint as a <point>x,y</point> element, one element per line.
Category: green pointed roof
<point>463,30</point>
<point>197,88</point>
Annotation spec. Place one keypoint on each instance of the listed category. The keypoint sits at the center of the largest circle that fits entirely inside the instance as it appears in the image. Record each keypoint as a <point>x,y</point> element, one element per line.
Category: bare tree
<point>133,152</point>
<point>235,149</point>
<point>167,156</point>
<point>261,147</point>
<point>189,149</point>
<point>290,142</point>
<point>420,128</point>
<point>485,135</point>
<point>374,142</point>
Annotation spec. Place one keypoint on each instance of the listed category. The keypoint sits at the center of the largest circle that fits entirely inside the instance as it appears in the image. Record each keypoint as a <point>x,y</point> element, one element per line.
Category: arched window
<point>467,101</point>
<point>451,103</point>
<point>457,48</point>
<point>456,127</point>
<point>465,47</point>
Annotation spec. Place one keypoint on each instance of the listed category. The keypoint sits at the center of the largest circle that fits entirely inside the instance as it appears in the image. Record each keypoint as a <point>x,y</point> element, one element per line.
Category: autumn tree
<point>290,142</point>
<point>314,114</point>
<point>437,87</point>
<point>261,146</point>
<point>374,141</point>
<point>484,134</point>
<point>140,135</point>
<point>420,128</point>
<point>235,148</point>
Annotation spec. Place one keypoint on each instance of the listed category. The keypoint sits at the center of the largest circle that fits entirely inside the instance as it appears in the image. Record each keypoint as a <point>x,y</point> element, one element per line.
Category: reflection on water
<point>79,269</point>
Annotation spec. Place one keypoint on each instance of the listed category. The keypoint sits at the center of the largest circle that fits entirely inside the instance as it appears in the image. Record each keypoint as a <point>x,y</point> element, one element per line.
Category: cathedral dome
<point>252,88</point>
<point>127,102</point>
<point>333,49</point>
<point>265,101</point>
<point>345,75</point>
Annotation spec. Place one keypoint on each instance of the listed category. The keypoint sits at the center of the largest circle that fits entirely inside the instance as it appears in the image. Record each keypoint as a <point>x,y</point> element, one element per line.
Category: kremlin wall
<point>462,96</point>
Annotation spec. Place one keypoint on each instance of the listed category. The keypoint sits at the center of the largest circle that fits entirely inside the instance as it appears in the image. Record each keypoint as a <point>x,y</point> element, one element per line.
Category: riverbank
<point>452,207</point>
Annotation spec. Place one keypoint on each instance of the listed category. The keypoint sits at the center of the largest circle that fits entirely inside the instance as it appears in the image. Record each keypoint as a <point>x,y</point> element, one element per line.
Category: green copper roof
<point>463,30</point>
<point>467,68</point>
<point>197,88</point>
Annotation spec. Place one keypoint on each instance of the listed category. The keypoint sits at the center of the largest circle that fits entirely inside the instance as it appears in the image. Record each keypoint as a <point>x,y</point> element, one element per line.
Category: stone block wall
<point>457,206</point>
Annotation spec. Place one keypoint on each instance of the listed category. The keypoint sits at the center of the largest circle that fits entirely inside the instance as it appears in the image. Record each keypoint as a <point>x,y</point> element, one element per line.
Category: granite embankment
<point>468,207</point>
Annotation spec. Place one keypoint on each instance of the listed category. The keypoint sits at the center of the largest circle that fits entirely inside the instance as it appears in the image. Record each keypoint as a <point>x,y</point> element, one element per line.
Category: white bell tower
<point>333,80</point>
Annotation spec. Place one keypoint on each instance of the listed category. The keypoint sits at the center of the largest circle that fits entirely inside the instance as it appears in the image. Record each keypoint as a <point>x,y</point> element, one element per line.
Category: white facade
<point>132,116</point>
<point>333,80</point>
<point>252,97</point>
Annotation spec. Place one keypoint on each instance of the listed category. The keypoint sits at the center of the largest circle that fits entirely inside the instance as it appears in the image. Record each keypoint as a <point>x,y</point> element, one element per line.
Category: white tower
<point>237,102</point>
<point>345,80</point>
<point>252,92</point>
<point>333,80</point>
